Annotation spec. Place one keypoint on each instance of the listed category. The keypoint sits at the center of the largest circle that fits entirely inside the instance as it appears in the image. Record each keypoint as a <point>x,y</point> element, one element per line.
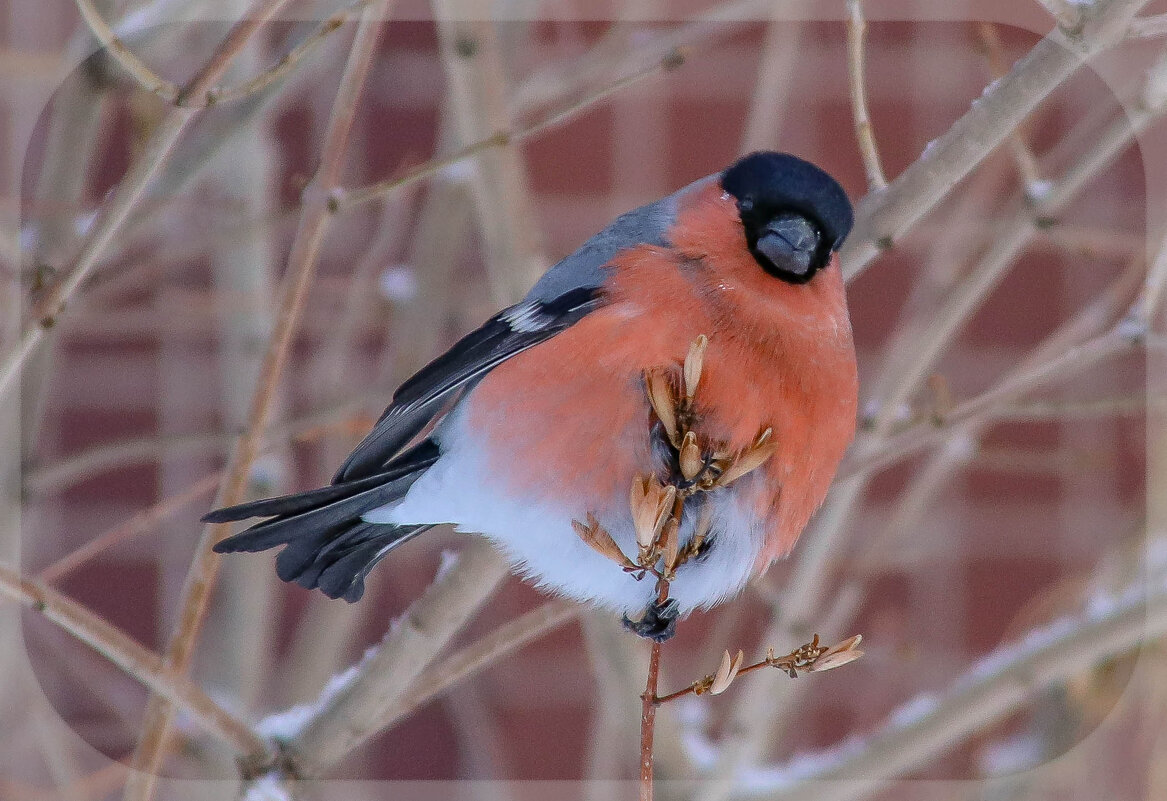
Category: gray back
<point>586,267</point>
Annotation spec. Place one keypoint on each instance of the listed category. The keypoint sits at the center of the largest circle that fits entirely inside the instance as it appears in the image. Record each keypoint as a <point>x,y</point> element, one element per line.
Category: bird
<point>540,417</point>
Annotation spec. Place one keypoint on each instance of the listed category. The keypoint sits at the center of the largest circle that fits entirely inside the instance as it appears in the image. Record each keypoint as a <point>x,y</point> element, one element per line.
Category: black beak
<point>790,242</point>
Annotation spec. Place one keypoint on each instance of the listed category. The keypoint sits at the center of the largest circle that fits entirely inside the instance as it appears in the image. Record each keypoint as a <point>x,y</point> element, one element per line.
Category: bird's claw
<point>659,622</point>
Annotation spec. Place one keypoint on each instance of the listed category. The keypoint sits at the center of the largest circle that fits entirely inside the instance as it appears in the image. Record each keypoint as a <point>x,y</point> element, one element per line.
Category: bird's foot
<point>659,622</point>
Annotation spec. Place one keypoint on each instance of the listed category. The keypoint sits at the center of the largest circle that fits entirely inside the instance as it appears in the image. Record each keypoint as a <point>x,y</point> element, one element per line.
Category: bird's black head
<point>795,215</point>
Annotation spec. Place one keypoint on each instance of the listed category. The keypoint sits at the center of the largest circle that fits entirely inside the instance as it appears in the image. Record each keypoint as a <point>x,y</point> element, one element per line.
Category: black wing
<point>419,399</point>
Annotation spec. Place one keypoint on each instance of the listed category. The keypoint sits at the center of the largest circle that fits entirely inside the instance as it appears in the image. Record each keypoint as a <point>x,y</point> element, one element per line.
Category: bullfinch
<point>540,416</point>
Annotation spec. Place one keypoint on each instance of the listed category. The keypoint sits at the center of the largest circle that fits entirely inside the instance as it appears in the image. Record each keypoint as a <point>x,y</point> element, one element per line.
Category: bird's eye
<point>788,247</point>
<point>746,205</point>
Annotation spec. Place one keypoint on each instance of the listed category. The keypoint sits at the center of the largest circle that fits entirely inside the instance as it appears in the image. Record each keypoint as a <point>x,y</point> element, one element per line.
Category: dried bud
<point>670,545</point>
<point>694,361</point>
<point>751,459</point>
<point>651,504</point>
<point>660,395</point>
<point>838,655</point>
<point>596,537</point>
<point>726,673</point>
<point>690,457</point>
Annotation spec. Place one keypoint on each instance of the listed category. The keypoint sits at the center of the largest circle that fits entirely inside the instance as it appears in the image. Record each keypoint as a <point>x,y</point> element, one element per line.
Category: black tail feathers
<point>328,544</point>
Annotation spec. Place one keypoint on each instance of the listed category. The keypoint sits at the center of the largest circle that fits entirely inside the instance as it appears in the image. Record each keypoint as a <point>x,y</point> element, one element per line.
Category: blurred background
<point>977,521</point>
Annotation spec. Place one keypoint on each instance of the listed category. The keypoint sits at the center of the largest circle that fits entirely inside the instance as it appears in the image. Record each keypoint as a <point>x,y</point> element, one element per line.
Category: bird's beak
<point>789,241</point>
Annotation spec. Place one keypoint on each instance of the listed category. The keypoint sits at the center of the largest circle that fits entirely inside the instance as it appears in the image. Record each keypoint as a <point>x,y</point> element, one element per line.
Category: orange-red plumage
<point>780,355</point>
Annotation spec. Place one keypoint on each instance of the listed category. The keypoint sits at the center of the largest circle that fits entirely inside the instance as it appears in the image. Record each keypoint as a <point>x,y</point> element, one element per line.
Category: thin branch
<point>302,263</point>
<point>1068,14</point>
<point>884,217</point>
<point>1130,406</point>
<point>146,77</point>
<point>138,524</point>
<point>356,712</point>
<point>114,212</point>
<point>856,33</point>
<point>215,95</point>
<point>346,418</point>
<point>993,688</point>
<point>982,408</point>
<point>998,67</point>
<point>346,200</point>
<point>649,704</point>
<point>481,654</point>
<point>132,657</point>
<point>924,350</point>
<point>229,94</point>
<point>1148,27</point>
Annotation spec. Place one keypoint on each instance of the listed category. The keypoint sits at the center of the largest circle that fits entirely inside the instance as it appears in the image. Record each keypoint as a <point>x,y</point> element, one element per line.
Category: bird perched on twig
<point>540,416</point>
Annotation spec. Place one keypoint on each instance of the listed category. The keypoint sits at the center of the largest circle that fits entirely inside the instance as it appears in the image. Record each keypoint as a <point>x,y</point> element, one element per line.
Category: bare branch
<point>228,94</point>
<point>882,218</point>
<point>490,649</point>
<point>137,69</point>
<point>132,657</point>
<point>136,525</point>
<point>990,690</point>
<point>121,201</point>
<point>301,270</point>
<point>1148,27</point>
<point>388,672</point>
<point>856,32</point>
<point>346,200</point>
<point>995,56</point>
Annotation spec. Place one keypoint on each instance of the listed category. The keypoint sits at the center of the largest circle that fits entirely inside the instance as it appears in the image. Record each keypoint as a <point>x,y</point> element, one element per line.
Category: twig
<point>779,57</point>
<point>648,705</point>
<point>346,200</point>
<point>882,218</point>
<point>856,32</point>
<point>132,657</point>
<point>995,56</point>
<point>227,94</point>
<point>1129,406</point>
<point>136,525</point>
<point>486,651</point>
<point>137,69</point>
<point>808,658</point>
<point>992,689</point>
<point>346,417</point>
<point>1148,27</point>
<point>121,201</point>
<point>214,95</point>
<point>477,106</point>
<point>301,270</point>
<point>387,673</point>
<point>1070,362</point>
<point>648,722</point>
<point>1068,15</point>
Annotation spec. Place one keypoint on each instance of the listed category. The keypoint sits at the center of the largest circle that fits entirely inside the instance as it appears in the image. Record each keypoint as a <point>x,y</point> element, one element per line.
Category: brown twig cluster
<point>809,658</point>
<point>699,465</point>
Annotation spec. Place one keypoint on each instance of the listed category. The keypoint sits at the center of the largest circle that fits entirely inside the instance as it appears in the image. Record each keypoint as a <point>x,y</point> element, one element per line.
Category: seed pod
<point>598,538</point>
<point>838,655</point>
<point>690,457</point>
<point>694,361</point>
<point>726,673</point>
<point>660,395</point>
<point>748,461</point>
<point>651,503</point>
